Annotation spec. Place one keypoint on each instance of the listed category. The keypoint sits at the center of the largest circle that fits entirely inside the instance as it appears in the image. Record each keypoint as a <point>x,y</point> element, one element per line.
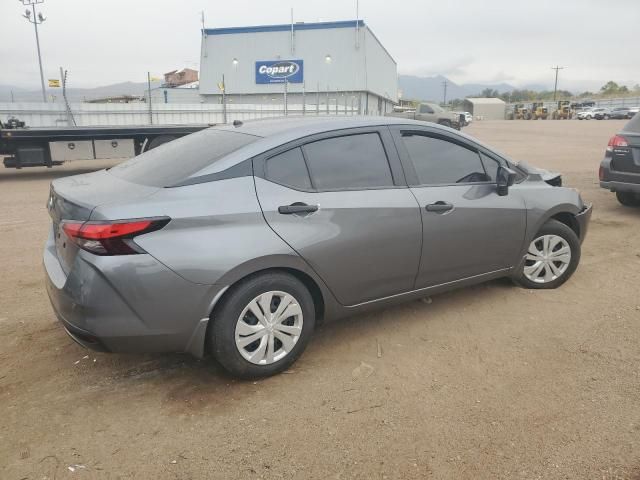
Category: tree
<point>612,88</point>
<point>489,93</point>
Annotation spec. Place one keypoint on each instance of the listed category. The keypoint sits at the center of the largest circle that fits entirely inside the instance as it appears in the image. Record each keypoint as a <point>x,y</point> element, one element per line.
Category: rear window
<point>634,124</point>
<point>175,161</point>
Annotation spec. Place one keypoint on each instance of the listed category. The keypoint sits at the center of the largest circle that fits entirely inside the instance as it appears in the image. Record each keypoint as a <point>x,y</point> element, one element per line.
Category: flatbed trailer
<point>48,147</point>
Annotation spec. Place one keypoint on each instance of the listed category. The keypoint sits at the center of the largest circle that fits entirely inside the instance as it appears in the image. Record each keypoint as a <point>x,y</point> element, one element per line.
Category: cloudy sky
<point>479,41</point>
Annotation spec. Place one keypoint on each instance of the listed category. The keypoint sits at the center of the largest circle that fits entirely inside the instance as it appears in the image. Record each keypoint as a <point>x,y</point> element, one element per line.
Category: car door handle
<point>297,208</point>
<point>439,207</point>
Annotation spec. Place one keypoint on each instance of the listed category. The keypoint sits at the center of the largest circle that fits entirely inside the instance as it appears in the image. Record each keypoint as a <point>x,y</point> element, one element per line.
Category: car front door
<point>341,202</point>
<point>468,229</point>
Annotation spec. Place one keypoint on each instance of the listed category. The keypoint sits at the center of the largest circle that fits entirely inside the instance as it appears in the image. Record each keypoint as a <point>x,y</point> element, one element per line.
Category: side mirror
<point>505,178</point>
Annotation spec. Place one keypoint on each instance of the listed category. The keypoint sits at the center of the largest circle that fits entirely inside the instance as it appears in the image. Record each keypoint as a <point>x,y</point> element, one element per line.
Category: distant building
<point>328,63</point>
<point>176,78</point>
<point>485,108</point>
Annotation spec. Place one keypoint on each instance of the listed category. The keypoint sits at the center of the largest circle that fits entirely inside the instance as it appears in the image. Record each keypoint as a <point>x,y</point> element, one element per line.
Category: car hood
<point>552,178</point>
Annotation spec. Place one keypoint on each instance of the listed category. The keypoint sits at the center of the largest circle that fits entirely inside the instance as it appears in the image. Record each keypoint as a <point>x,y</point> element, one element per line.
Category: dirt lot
<point>487,382</point>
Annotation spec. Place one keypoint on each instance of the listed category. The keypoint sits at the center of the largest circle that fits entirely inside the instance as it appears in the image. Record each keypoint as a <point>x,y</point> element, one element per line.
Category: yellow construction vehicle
<point>564,111</point>
<point>538,111</point>
<point>519,112</point>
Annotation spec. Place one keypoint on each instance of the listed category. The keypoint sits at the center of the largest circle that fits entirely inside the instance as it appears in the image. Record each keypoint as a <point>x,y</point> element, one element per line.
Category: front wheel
<point>552,257</point>
<point>628,199</point>
<point>263,325</point>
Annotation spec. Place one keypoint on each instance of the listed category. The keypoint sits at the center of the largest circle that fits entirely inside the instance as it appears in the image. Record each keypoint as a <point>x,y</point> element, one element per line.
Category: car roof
<point>277,131</point>
<point>302,126</point>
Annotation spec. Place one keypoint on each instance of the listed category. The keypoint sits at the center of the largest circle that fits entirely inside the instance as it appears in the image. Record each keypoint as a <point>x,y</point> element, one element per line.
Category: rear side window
<point>175,161</point>
<point>439,161</point>
<point>348,162</point>
<point>288,169</point>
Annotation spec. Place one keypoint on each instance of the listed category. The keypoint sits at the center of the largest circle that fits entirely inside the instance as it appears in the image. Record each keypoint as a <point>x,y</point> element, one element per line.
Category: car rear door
<point>468,229</point>
<point>340,200</point>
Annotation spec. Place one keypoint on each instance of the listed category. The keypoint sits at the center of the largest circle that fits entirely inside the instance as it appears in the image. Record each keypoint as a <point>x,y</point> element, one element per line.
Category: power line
<point>555,88</point>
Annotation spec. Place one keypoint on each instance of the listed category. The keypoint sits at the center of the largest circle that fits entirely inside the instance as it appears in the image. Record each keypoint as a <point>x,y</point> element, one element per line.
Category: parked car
<point>430,112</point>
<point>633,111</point>
<point>602,113</point>
<point>620,113</point>
<point>468,118</point>
<point>585,114</point>
<point>237,240</point>
<point>620,169</point>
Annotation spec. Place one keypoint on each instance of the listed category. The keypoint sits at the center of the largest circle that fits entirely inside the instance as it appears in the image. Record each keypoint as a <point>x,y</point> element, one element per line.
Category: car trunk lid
<point>75,198</point>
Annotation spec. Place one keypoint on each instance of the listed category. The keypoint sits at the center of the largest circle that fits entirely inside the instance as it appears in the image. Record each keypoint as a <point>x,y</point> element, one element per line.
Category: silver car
<point>237,240</point>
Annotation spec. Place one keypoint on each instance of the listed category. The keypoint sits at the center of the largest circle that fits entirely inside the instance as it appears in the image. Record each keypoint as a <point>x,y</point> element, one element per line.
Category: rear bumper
<point>128,304</point>
<point>621,186</point>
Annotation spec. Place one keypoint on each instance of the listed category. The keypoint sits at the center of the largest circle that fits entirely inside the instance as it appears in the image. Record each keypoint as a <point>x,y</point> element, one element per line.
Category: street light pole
<point>37,19</point>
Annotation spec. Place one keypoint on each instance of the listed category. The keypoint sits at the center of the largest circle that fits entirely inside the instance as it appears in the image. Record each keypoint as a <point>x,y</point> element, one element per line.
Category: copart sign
<point>278,71</point>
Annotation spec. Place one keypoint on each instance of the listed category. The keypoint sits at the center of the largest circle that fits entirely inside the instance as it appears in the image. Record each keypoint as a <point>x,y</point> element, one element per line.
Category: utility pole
<point>37,19</point>
<point>444,84</point>
<point>149,88</point>
<point>555,88</point>
<point>286,106</point>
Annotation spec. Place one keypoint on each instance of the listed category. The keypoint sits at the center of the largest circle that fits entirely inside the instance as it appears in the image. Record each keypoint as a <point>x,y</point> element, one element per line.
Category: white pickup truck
<point>430,112</point>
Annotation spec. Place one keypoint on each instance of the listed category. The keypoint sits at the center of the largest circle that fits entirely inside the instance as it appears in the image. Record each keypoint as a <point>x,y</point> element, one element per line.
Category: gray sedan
<point>237,240</point>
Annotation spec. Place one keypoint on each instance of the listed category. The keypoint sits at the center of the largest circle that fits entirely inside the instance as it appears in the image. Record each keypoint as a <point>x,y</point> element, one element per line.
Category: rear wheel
<point>628,199</point>
<point>263,325</point>
<point>552,257</point>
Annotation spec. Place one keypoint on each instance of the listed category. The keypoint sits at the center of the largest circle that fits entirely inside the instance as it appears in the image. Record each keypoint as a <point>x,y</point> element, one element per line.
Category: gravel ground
<point>491,381</point>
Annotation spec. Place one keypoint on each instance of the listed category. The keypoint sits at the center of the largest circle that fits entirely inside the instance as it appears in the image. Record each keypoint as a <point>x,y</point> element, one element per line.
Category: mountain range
<point>432,88</point>
<point>75,94</point>
<point>412,87</point>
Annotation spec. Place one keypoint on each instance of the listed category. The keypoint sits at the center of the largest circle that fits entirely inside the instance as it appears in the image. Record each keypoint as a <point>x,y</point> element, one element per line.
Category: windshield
<point>175,161</point>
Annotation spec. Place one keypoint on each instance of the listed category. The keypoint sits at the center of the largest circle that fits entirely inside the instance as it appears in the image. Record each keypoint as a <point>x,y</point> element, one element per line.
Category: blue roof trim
<point>284,27</point>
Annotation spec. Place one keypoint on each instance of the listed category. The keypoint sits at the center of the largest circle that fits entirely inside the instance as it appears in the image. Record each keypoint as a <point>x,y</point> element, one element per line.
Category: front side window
<point>348,162</point>
<point>425,109</point>
<point>441,162</point>
<point>490,167</point>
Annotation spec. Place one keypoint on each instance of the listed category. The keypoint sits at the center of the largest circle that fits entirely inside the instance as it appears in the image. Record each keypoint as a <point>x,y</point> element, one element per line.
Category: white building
<point>325,64</point>
<point>485,108</point>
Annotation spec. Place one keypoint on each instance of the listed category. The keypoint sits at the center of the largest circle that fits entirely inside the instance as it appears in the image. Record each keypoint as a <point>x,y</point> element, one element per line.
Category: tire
<point>551,239</point>
<point>628,199</point>
<point>234,321</point>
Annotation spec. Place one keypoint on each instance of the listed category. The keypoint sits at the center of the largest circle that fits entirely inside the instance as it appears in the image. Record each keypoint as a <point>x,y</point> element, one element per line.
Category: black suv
<point>620,169</point>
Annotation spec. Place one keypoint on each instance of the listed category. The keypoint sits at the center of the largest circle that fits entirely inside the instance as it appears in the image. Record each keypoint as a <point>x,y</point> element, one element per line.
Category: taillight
<point>616,141</point>
<point>111,238</point>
